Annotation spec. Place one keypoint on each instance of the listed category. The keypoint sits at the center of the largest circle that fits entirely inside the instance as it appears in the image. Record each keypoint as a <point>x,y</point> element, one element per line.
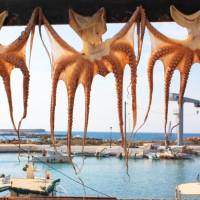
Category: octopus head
<point>89,28</point>
<point>190,22</point>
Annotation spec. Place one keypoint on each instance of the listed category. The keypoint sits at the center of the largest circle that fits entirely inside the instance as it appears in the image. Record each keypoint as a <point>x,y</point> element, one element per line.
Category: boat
<point>133,154</point>
<point>188,189</point>
<point>153,156</point>
<point>30,185</point>
<point>183,156</point>
<point>52,156</point>
<point>77,137</point>
<point>167,155</point>
<point>102,152</point>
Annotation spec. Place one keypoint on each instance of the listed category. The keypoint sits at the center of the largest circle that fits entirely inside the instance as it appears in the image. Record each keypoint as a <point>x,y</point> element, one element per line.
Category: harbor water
<point>146,179</point>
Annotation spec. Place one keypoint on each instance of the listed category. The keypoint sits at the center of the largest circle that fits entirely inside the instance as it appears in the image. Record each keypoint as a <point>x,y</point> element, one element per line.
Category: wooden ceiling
<point>117,10</point>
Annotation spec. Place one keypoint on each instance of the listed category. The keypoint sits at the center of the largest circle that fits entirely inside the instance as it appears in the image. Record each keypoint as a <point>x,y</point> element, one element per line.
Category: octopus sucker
<point>98,57</point>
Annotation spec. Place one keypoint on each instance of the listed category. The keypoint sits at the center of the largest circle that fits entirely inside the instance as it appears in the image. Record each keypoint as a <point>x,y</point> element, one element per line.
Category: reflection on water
<point>155,179</point>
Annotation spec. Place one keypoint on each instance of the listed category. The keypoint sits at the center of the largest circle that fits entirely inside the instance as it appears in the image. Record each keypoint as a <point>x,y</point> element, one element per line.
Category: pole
<point>180,128</point>
<point>110,136</point>
<point>125,123</point>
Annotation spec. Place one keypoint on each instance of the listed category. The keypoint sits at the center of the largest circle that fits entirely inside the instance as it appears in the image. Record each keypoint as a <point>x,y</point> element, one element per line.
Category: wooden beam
<point>117,10</point>
<point>56,198</point>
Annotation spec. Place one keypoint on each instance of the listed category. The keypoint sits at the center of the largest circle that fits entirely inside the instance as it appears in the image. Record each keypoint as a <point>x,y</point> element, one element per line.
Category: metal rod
<point>125,123</point>
<point>110,136</point>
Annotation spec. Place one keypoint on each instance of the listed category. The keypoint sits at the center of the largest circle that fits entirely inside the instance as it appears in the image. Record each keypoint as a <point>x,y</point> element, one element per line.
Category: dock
<point>73,198</point>
<point>39,186</point>
<point>56,198</point>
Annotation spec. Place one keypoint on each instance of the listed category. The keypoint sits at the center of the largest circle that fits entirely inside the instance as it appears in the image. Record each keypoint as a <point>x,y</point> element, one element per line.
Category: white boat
<point>51,156</point>
<point>188,189</point>
<point>77,137</point>
<point>153,156</point>
<point>30,185</point>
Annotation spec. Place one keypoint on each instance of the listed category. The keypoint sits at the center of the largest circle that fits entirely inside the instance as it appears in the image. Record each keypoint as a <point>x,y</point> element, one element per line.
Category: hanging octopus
<point>175,55</point>
<point>97,57</point>
<point>13,56</point>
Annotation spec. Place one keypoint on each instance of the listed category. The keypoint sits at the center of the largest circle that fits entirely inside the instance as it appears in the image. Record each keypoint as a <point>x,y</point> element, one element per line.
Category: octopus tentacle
<point>26,80</point>
<point>56,75</point>
<point>128,25</point>
<point>198,54</point>
<point>87,90</point>
<point>54,34</point>
<point>20,63</point>
<point>184,76</point>
<point>20,42</point>
<point>168,76</point>
<point>128,50</point>
<point>6,81</point>
<point>119,87</point>
<point>71,90</point>
<point>53,105</point>
<point>157,34</point>
<point>71,85</point>
<point>155,56</point>
<point>133,92</point>
<point>140,32</point>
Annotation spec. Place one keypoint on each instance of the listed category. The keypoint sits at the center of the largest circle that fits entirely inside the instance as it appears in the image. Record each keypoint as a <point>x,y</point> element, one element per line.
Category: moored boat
<point>30,185</point>
<point>153,156</point>
<point>52,156</point>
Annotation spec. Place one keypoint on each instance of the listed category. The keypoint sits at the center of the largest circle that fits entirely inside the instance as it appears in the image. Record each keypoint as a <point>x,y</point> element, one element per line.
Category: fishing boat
<point>51,156</point>
<point>30,185</point>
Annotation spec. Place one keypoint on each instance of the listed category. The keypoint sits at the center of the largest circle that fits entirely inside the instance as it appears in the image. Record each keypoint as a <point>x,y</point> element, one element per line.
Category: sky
<point>103,107</point>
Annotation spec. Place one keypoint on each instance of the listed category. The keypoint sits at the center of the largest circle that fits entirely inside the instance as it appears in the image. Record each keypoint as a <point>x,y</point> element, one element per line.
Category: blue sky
<point>103,108</point>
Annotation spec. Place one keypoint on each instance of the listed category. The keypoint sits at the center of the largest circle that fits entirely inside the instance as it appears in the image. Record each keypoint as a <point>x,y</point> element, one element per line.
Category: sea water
<point>147,136</point>
<point>145,178</point>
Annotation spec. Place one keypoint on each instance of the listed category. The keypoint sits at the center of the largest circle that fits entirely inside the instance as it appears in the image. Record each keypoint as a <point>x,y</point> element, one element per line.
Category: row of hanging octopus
<point>102,57</point>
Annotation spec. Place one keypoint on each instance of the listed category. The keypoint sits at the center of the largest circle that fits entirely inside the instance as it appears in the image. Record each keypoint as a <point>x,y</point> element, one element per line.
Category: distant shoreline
<point>22,130</point>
